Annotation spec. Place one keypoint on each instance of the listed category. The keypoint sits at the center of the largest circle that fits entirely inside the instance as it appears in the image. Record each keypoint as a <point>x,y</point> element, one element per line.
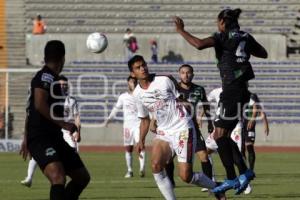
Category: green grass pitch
<point>278,177</point>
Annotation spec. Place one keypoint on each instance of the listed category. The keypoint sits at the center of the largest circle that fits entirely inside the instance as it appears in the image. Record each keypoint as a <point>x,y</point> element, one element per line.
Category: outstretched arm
<point>194,41</point>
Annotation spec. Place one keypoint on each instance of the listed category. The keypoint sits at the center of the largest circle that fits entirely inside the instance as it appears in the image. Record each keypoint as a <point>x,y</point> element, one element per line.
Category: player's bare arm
<point>194,41</point>
<point>24,150</point>
<point>252,120</point>
<point>144,128</point>
<point>265,122</point>
<point>41,105</point>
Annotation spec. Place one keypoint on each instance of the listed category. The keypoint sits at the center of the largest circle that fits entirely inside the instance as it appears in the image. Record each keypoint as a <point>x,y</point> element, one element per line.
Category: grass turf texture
<point>278,177</point>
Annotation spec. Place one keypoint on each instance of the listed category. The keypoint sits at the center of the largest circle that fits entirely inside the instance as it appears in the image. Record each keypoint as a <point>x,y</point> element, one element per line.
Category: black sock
<point>57,192</point>
<point>225,153</point>
<point>170,171</point>
<point>251,156</point>
<point>207,169</point>
<point>238,158</point>
<point>73,190</point>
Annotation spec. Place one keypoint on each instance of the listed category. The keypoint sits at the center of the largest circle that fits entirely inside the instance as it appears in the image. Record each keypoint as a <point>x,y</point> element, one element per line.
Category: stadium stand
<point>277,83</point>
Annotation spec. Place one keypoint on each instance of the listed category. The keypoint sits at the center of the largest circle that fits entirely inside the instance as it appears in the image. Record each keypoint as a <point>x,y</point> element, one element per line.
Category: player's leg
<point>55,173</point>
<point>45,152</point>
<point>128,138</point>
<point>170,171</point>
<point>75,169</point>
<point>128,158</point>
<point>142,153</point>
<point>184,146</point>
<point>161,154</point>
<point>30,171</point>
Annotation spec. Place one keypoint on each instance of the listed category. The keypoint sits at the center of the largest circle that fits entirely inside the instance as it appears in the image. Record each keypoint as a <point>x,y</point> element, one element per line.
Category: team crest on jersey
<point>50,151</point>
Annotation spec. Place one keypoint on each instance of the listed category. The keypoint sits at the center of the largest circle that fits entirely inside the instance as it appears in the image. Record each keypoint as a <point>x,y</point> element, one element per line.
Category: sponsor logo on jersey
<point>50,151</point>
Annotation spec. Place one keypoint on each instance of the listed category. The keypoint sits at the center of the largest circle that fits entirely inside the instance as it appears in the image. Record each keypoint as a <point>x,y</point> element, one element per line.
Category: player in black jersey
<point>43,136</point>
<point>233,49</point>
<point>196,96</point>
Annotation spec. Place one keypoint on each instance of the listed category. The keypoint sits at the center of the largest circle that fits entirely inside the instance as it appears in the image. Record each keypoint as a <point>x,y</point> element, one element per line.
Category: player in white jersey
<point>131,126</point>
<point>71,114</point>
<point>175,129</point>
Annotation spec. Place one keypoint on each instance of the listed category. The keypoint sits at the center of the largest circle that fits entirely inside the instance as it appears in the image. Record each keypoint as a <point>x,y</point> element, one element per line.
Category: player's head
<point>131,82</point>
<point>39,17</point>
<point>186,73</point>
<point>63,81</point>
<point>54,53</point>
<point>228,19</point>
<point>138,67</point>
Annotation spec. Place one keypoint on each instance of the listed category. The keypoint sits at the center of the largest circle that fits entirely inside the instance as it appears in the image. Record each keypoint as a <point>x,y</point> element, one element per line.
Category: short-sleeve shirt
<point>160,99</point>
<point>214,95</point>
<point>233,54</point>
<point>38,125</point>
<point>130,112</point>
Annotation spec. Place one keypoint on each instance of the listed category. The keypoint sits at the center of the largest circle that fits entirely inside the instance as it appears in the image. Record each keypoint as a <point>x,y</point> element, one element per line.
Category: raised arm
<point>194,41</point>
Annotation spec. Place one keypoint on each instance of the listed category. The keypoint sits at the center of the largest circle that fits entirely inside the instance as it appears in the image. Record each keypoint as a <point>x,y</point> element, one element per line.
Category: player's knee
<point>57,178</point>
<point>156,166</point>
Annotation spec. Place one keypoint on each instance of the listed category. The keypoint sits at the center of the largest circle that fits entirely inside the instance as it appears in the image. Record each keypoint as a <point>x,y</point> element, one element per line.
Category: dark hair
<point>135,59</point>
<point>130,77</point>
<point>230,18</point>
<point>188,66</point>
<point>63,78</point>
<point>54,51</point>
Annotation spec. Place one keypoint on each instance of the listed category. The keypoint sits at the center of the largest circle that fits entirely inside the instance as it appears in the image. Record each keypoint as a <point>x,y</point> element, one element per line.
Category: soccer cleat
<point>142,174</point>
<point>204,190</point>
<point>128,175</point>
<point>248,189</point>
<point>244,180</point>
<point>226,185</point>
<point>26,183</point>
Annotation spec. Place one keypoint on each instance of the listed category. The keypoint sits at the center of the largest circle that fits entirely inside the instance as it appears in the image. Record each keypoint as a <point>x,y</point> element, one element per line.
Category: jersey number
<point>240,52</point>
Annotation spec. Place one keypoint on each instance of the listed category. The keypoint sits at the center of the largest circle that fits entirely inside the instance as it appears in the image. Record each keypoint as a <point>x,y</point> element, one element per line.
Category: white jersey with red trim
<point>130,114</point>
<point>160,99</point>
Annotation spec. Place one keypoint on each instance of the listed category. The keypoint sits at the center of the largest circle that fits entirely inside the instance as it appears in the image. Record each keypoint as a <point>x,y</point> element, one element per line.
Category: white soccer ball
<point>96,42</point>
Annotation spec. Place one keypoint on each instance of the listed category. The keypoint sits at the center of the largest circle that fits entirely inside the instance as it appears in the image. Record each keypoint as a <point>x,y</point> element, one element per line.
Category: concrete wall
<point>280,135</point>
<point>77,51</point>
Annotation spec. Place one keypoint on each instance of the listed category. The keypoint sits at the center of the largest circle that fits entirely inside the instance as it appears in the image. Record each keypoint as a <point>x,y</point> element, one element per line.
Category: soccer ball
<point>96,42</point>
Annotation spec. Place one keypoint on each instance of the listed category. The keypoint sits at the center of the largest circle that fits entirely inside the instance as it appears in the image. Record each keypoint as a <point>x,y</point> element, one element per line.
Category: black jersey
<point>194,95</point>
<point>233,54</point>
<point>37,124</point>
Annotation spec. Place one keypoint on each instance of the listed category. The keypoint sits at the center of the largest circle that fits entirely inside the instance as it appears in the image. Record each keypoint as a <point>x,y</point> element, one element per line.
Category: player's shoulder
<point>198,87</point>
<point>44,75</point>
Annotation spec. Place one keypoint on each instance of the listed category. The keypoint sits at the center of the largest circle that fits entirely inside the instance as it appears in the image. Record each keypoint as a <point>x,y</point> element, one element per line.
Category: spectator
<point>39,26</point>
<point>154,50</point>
<point>131,45</point>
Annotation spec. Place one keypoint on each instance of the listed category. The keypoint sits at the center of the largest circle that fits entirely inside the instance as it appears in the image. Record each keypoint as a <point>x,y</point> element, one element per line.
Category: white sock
<point>210,158</point>
<point>31,168</point>
<point>202,180</point>
<point>142,160</point>
<point>164,184</point>
<point>128,157</point>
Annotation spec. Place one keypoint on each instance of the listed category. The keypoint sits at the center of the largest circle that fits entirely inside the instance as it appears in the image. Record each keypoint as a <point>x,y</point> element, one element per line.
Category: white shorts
<point>131,136</point>
<point>182,143</point>
<point>68,139</point>
<point>236,136</point>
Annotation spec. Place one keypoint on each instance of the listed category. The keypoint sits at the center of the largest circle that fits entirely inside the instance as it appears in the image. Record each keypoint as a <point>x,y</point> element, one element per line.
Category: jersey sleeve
<point>211,96</point>
<point>141,109</point>
<point>119,103</point>
<point>43,81</point>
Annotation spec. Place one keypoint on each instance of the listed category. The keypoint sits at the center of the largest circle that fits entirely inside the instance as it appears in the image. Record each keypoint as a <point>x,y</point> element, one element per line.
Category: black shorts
<point>200,145</point>
<point>248,136</point>
<point>45,150</point>
<point>231,105</point>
